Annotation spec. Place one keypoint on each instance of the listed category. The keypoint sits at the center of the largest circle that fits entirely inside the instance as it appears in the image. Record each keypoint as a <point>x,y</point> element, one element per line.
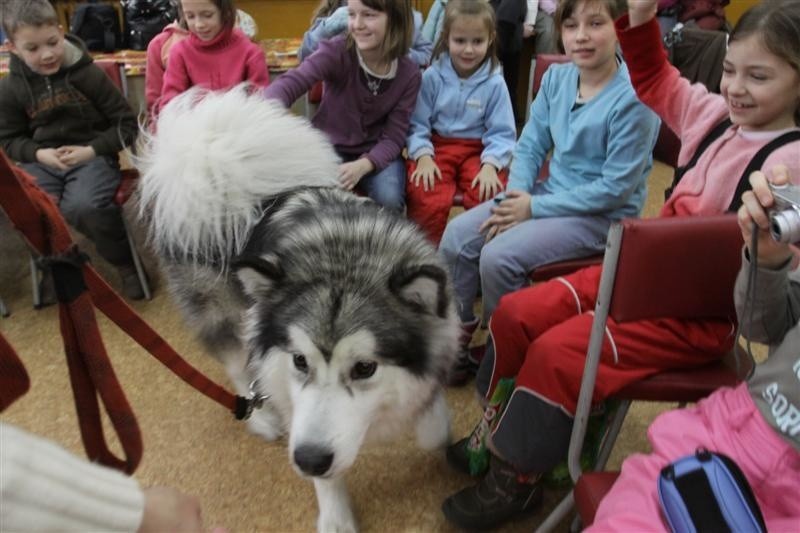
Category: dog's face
<point>356,359</point>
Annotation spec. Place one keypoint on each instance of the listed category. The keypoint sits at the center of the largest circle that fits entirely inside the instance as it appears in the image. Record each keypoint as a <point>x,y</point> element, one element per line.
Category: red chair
<point>681,267</point>
<point>116,72</point>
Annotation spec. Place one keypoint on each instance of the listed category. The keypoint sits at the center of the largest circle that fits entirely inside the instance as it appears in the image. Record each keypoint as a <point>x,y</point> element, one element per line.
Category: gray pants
<point>545,36</point>
<point>502,265</point>
<point>85,195</point>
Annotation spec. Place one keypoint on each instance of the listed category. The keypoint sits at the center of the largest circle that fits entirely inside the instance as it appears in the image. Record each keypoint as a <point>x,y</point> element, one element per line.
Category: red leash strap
<point>35,215</point>
<point>14,381</point>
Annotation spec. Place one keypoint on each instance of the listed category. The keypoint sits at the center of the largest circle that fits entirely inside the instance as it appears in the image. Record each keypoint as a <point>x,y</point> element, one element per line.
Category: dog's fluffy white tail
<point>213,160</point>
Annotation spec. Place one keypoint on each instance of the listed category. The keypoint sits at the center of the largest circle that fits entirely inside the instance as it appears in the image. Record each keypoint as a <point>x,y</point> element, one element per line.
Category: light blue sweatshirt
<point>336,23</point>
<point>478,107</point>
<point>602,150</point>
<point>434,21</point>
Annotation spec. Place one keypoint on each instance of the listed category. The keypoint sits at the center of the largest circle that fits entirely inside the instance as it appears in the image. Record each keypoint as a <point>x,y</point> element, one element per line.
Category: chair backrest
<point>543,62</point>
<point>115,72</point>
<point>681,267</point>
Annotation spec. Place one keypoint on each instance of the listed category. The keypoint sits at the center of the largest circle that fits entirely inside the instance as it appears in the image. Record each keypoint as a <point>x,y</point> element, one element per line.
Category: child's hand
<point>489,183</point>
<point>771,254</point>
<point>75,155</point>
<point>641,11</point>
<point>351,173</point>
<point>427,171</point>
<point>515,208</point>
<point>51,158</point>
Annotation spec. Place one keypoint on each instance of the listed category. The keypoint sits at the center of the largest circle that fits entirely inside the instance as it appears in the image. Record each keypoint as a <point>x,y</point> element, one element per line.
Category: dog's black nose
<point>313,460</point>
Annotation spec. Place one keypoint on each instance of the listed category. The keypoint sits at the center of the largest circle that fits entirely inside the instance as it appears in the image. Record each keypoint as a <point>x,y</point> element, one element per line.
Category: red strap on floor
<point>37,217</point>
<point>14,381</point>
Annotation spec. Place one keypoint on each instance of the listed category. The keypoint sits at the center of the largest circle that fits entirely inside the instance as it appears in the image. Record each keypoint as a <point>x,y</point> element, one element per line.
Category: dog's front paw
<point>337,523</point>
<point>265,423</point>
<point>335,513</point>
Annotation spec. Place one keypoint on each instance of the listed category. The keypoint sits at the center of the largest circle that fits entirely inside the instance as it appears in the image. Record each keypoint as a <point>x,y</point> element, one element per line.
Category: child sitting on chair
<point>65,122</point>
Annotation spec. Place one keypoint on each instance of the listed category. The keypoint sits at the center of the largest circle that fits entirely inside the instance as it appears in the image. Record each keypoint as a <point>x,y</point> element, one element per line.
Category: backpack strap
<point>710,137</point>
<point>758,162</point>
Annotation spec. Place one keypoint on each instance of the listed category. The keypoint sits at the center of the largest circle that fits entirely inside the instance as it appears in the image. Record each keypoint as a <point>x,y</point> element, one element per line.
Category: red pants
<point>459,160</point>
<point>541,334</point>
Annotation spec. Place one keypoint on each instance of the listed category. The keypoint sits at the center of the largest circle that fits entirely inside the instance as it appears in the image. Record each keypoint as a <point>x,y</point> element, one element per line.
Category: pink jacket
<point>691,111</point>
<point>157,55</point>
<point>219,64</point>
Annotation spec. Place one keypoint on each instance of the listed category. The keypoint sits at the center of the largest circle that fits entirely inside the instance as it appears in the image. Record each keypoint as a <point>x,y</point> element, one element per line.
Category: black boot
<point>501,495</point>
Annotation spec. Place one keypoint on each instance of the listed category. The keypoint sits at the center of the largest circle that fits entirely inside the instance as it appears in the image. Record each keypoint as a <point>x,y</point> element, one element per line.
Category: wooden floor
<point>244,483</point>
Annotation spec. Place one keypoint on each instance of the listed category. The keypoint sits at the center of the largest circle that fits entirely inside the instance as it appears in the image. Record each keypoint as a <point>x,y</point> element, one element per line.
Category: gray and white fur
<point>338,309</point>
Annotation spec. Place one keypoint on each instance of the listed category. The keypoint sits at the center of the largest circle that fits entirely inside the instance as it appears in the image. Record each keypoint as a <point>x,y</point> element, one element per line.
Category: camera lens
<point>785,226</point>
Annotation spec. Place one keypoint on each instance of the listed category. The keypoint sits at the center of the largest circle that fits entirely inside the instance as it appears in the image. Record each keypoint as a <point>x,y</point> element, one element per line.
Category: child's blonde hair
<point>399,27</point>
<point>566,8</point>
<point>468,8</point>
<point>34,13</point>
<point>777,25</point>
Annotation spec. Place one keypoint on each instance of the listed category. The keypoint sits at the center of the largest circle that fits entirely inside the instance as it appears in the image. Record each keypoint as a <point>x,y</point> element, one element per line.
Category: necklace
<point>373,79</point>
<point>374,85</point>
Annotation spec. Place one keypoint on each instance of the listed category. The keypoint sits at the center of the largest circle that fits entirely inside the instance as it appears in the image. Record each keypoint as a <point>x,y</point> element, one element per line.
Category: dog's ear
<point>257,273</point>
<point>422,287</point>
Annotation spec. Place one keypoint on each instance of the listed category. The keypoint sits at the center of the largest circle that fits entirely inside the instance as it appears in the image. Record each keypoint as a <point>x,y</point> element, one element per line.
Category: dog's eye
<point>300,362</point>
<point>363,369</point>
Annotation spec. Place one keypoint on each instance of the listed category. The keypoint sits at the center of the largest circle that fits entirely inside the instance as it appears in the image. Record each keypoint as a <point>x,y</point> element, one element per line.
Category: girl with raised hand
<point>216,55</point>
<point>462,130</point>
<point>370,88</point>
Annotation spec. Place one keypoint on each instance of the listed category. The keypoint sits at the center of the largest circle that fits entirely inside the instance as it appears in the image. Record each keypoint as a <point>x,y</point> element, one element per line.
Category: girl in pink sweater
<point>216,55</point>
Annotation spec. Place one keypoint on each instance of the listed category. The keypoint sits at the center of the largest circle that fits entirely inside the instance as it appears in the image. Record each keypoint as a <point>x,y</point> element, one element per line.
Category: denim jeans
<point>502,265</point>
<point>385,187</point>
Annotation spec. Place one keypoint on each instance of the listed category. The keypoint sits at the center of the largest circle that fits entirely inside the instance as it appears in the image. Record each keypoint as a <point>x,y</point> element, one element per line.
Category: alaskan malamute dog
<point>336,309</point>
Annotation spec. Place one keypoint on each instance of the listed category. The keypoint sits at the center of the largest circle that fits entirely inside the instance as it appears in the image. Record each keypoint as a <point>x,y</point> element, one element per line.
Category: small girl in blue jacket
<point>601,137</point>
<point>462,131</point>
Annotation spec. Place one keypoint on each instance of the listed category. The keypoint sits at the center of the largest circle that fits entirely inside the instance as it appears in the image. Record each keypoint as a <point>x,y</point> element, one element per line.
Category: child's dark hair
<point>326,8</point>
<point>777,25</point>
<point>469,8</point>
<point>35,13</point>
<point>566,8</point>
<point>227,13</point>
<point>399,27</point>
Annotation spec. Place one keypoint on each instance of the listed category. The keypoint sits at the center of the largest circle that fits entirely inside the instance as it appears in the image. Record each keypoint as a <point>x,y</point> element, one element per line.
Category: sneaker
<point>501,495</point>
<point>457,456</point>
<point>131,287</point>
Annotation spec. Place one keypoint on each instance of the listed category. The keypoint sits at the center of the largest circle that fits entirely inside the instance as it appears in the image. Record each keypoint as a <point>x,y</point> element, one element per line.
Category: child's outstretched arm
<point>295,83</point>
<point>641,11</point>
<point>323,28</point>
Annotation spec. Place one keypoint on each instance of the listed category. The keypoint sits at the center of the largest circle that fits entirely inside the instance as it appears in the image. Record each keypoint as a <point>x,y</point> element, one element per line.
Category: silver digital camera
<point>784,216</point>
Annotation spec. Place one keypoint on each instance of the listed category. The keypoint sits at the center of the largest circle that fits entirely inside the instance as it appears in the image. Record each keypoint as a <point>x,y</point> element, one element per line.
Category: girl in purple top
<point>370,92</point>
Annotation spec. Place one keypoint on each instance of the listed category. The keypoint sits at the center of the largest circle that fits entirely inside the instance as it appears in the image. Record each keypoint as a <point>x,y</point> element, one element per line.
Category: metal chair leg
<point>4,312</point>
<point>36,284</point>
<point>137,263</point>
